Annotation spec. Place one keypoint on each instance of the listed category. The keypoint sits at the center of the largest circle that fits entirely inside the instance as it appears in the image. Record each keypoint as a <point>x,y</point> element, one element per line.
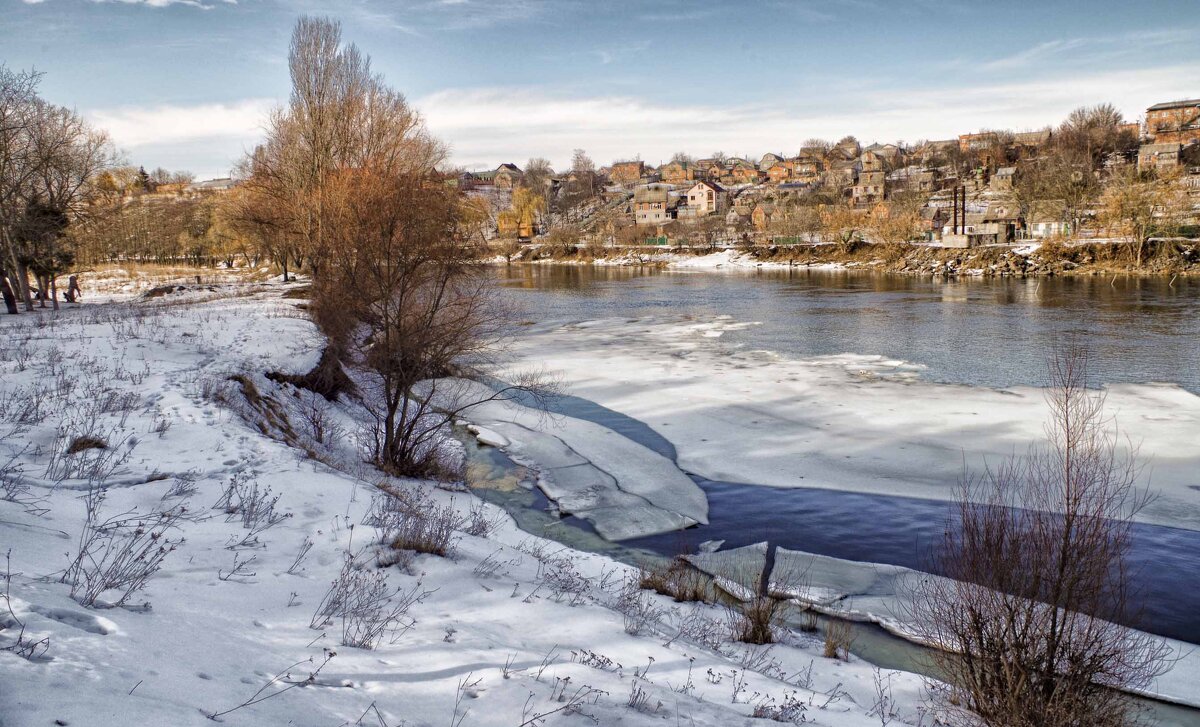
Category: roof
<point>715,187</point>
<point>509,167</point>
<point>1032,137</point>
<point>1174,105</point>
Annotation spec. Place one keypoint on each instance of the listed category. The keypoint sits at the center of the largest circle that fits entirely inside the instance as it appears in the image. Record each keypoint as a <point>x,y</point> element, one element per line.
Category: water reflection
<point>990,332</point>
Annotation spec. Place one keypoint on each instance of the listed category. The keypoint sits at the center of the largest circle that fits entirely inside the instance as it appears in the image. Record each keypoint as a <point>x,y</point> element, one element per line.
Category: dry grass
<point>839,636</point>
<point>86,442</point>
<point>677,579</point>
<point>757,621</point>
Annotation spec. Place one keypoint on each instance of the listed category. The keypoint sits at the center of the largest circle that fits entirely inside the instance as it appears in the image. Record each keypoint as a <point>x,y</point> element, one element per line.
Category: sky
<point>186,84</point>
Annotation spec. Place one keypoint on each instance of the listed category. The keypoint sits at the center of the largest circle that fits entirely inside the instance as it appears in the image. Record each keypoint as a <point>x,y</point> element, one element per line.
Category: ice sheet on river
<point>622,488</point>
<point>847,422</point>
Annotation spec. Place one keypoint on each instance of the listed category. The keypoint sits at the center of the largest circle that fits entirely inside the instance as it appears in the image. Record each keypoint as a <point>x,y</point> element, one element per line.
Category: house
<point>978,142</point>
<point>1159,156</point>
<point>768,160</point>
<point>507,176</point>
<point>652,204</point>
<point>677,172</point>
<point>1174,122</point>
<point>806,168</point>
<point>870,185</point>
<point>705,198</point>
<point>762,214</point>
<point>779,172</point>
<point>888,152</point>
<point>1004,178</point>
<point>1028,143</point>
<point>711,169</point>
<point>627,172</point>
<point>743,172</point>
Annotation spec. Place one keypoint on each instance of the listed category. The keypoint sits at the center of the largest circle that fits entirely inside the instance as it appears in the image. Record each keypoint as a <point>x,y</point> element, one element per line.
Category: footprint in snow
<point>78,619</point>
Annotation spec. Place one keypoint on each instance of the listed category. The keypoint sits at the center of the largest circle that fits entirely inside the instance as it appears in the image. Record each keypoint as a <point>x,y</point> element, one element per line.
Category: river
<point>976,332</point>
<point>979,331</point>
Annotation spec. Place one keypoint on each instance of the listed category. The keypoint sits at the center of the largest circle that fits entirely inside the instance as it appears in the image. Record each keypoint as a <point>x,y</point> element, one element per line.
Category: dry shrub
<point>1036,608</point>
<point>85,442</point>
<point>757,620</point>
<point>839,636</point>
<point>677,579</point>
<point>411,520</point>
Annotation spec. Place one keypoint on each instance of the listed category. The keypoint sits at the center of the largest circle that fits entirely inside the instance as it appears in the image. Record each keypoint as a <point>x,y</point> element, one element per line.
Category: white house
<point>705,198</point>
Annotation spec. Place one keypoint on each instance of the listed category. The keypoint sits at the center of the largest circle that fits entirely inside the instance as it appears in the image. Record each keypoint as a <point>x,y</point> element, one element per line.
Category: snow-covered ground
<point>847,422</point>
<point>508,628</point>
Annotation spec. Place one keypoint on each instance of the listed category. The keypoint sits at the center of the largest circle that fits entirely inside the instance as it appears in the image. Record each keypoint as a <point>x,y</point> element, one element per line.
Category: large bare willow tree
<point>347,185</point>
<point>1036,611</point>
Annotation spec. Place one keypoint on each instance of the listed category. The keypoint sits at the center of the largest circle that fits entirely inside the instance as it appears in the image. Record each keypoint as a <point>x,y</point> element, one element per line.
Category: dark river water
<point>977,332</point>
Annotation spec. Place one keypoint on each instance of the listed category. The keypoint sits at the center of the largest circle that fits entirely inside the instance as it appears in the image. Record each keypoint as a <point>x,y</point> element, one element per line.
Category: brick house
<point>743,172</point>
<point>627,172</point>
<point>806,168</point>
<point>779,172</point>
<point>1174,122</point>
<point>677,172</point>
<point>762,214</point>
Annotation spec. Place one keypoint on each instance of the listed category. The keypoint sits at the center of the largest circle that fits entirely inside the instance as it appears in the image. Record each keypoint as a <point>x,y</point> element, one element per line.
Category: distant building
<point>1004,179</point>
<point>762,214</point>
<point>507,176</point>
<point>224,184</point>
<point>869,189</point>
<point>1160,156</point>
<point>705,198</point>
<point>627,172</point>
<point>652,204</point>
<point>677,172</point>
<point>768,160</point>
<point>1174,122</point>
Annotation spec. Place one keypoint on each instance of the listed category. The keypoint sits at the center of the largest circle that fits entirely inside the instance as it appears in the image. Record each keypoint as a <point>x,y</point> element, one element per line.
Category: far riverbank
<point>1169,258</point>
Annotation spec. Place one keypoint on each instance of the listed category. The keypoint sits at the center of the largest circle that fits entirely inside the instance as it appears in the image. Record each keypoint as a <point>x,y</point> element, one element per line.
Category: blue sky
<point>186,84</point>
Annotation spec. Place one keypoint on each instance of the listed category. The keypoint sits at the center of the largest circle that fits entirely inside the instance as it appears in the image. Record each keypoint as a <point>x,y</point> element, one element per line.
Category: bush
<point>411,520</point>
<point>87,441</point>
<point>677,579</point>
<point>368,609</point>
<point>839,635</point>
<point>119,555</point>
<point>757,620</point>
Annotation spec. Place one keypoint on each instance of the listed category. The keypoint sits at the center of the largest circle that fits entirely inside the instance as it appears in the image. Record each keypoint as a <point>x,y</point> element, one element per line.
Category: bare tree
<point>1140,208</point>
<point>50,159</point>
<point>348,176</point>
<point>1034,610</point>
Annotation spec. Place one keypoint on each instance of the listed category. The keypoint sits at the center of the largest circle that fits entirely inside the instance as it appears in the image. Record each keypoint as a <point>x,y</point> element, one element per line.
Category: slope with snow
<point>510,627</point>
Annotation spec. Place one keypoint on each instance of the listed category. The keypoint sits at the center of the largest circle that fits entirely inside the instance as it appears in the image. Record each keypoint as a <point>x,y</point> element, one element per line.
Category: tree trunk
<point>10,300</point>
<point>54,290</point>
<point>23,281</point>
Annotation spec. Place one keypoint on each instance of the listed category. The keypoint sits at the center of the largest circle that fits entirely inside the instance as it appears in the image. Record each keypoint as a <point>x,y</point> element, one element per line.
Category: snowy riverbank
<point>510,627</point>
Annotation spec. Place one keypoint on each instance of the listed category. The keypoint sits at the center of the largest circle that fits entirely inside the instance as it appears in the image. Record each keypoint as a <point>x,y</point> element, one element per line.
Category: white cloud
<point>491,125</point>
<point>132,127</point>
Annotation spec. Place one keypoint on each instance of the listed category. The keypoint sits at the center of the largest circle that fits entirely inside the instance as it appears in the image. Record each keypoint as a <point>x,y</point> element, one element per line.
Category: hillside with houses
<point>1093,177</point>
